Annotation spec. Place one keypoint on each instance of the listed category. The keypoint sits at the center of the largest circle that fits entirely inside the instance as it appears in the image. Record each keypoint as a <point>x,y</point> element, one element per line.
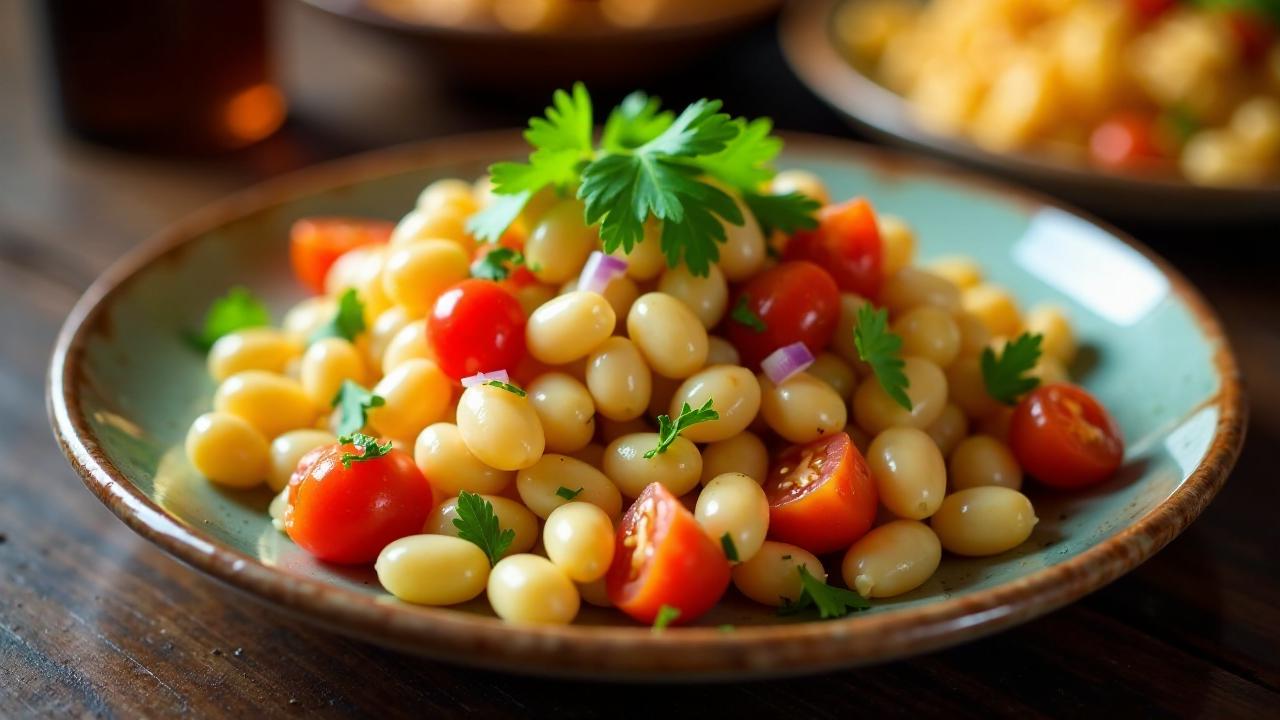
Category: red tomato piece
<point>476,326</point>
<point>346,515</point>
<point>1125,141</point>
<point>520,275</point>
<point>1147,11</point>
<point>846,244</point>
<point>1063,437</point>
<point>664,557</point>
<point>316,243</point>
<point>1254,34</point>
<point>821,495</point>
<point>797,302</point>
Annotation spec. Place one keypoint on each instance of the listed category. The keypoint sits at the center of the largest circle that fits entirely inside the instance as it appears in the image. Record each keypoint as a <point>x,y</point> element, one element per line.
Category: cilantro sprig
<point>668,430</point>
<point>368,448</point>
<point>347,322</point>
<point>742,313</point>
<point>477,523</point>
<point>239,309</point>
<point>667,614</point>
<point>882,349</point>
<point>354,403</point>
<point>678,169</point>
<point>831,602</point>
<point>497,264</point>
<point>1005,375</point>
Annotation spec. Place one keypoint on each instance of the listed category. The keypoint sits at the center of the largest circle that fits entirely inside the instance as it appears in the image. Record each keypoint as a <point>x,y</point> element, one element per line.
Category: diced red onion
<point>599,271</point>
<point>787,361</point>
<point>484,377</point>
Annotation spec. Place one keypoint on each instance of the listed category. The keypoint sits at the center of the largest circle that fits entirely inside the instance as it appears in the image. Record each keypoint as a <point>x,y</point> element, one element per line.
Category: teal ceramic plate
<point>807,35</point>
<point>123,389</point>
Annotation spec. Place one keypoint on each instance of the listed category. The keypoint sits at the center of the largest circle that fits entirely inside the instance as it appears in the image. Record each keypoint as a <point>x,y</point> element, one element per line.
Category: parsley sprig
<point>497,264</point>
<point>831,602</point>
<point>881,349</point>
<point>668,431</point>
<point>347,322</point>
<point>1005,375</point>
<point>742,313</point>
<point>239,309</point>
<point>477,523</point>
<point>650,164</point>
<point>368,447</point>
<point>354,403</point>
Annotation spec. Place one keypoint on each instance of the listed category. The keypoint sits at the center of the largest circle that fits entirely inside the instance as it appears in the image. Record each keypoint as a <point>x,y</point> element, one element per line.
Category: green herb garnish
<point>666,615</point>
<point>831,602</point>
<point>347,322</point>
<point>513,389</point>
<point>354,403</point>
<point>743,313</point>
<point>726,628</point>
<point>497,264</point>
<point>368,447</point>
<point>880,349</point>
<point>730,550</point>
<point>237,310</point>
<point>1005,375</point>
<point>668,431</point>
<point>650,163</point>
<point>568,494</point>
<point>477,523</point>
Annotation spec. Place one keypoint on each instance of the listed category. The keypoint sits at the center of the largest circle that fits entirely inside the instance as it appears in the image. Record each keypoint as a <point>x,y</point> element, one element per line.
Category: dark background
<point>94,621</point>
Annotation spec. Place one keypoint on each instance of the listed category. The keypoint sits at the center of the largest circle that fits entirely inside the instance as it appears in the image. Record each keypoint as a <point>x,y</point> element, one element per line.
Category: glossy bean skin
<point>409,343</point>
<point>743,453</point>
<point>619,379</point>
<point>450,193</point>
<point>360,269</point>
<point>743,253</point>
<point>802,409</point>
<point>538,486</point>
<point>579,539</point>
<point>531,590</point>
<point>984,521</point>
<point>288,448</point>
<point>565,409</point>
<point>302,320</point>
<point>910,474</point>
<point>771,577</point>
<point>1058,339</point>
<point>974,335</point>
<point>734,394</point>
<point>721,352</point>
<point>269,402</point>
<point>383,331</point>
<point>252,349</point>
<point>670,337</point>
<point>980,460</point>
<point>899,243</point>
<point>500,428</point>
<point>842,343</point>
<point>449,466</point>
<point>645,261</point>
<point>949,429</point>
<point>621,293</point>
<point>968,390</point>
<point>707,297</point>
<point>416,273</point>
<point>840,375</point>
<point>416,394</point>
<point>227,450</point>
<point>559,244</point>
<point>876,411</point>
<point>595,593</point>
<point>734,505</point>
<point>678,469</point>
<point>441,222</point>
<point>929,332</point>
<point>995,307</point>
<point>511,515</point>
<point>433,569</point>
<point>963,272</point>
<point>326,364</point>
<point>569,327</point>
<point>800,181</point>
<point>911,288</point>
<point>895,558</point>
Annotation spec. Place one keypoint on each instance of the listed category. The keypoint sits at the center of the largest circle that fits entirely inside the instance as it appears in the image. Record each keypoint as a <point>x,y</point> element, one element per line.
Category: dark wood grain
<point>96,622</point>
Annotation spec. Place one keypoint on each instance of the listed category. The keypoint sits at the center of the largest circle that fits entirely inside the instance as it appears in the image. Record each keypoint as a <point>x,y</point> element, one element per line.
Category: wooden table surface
<point>94,621</point>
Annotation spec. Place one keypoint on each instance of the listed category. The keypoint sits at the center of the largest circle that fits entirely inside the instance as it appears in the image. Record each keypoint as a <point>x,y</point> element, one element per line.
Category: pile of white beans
<point>600,368</point>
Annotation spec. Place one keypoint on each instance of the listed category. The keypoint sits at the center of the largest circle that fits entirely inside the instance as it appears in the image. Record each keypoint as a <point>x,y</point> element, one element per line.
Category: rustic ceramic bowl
<point>123,388</point>
<point>808,41</point>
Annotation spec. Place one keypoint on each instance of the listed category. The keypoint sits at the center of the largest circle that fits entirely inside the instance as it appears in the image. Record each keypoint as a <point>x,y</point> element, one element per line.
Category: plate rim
<point>620,652</point>
<point>804,33</point>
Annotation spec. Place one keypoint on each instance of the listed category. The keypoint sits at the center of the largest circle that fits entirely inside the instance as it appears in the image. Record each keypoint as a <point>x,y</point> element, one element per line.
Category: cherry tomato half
<point>664,557</point>
<point>797,302</point>
<point>346,515</point>
<point>1125,141</point>
<point>316,243</point>
<point>821,495</point>
<point>1064,438</point>
<point>476,326</point>
<point>846,244</point>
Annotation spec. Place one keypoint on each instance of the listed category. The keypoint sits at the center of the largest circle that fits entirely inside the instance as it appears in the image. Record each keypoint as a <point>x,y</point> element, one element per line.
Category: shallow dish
<point>808,42</point>
<point>123,388</point>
